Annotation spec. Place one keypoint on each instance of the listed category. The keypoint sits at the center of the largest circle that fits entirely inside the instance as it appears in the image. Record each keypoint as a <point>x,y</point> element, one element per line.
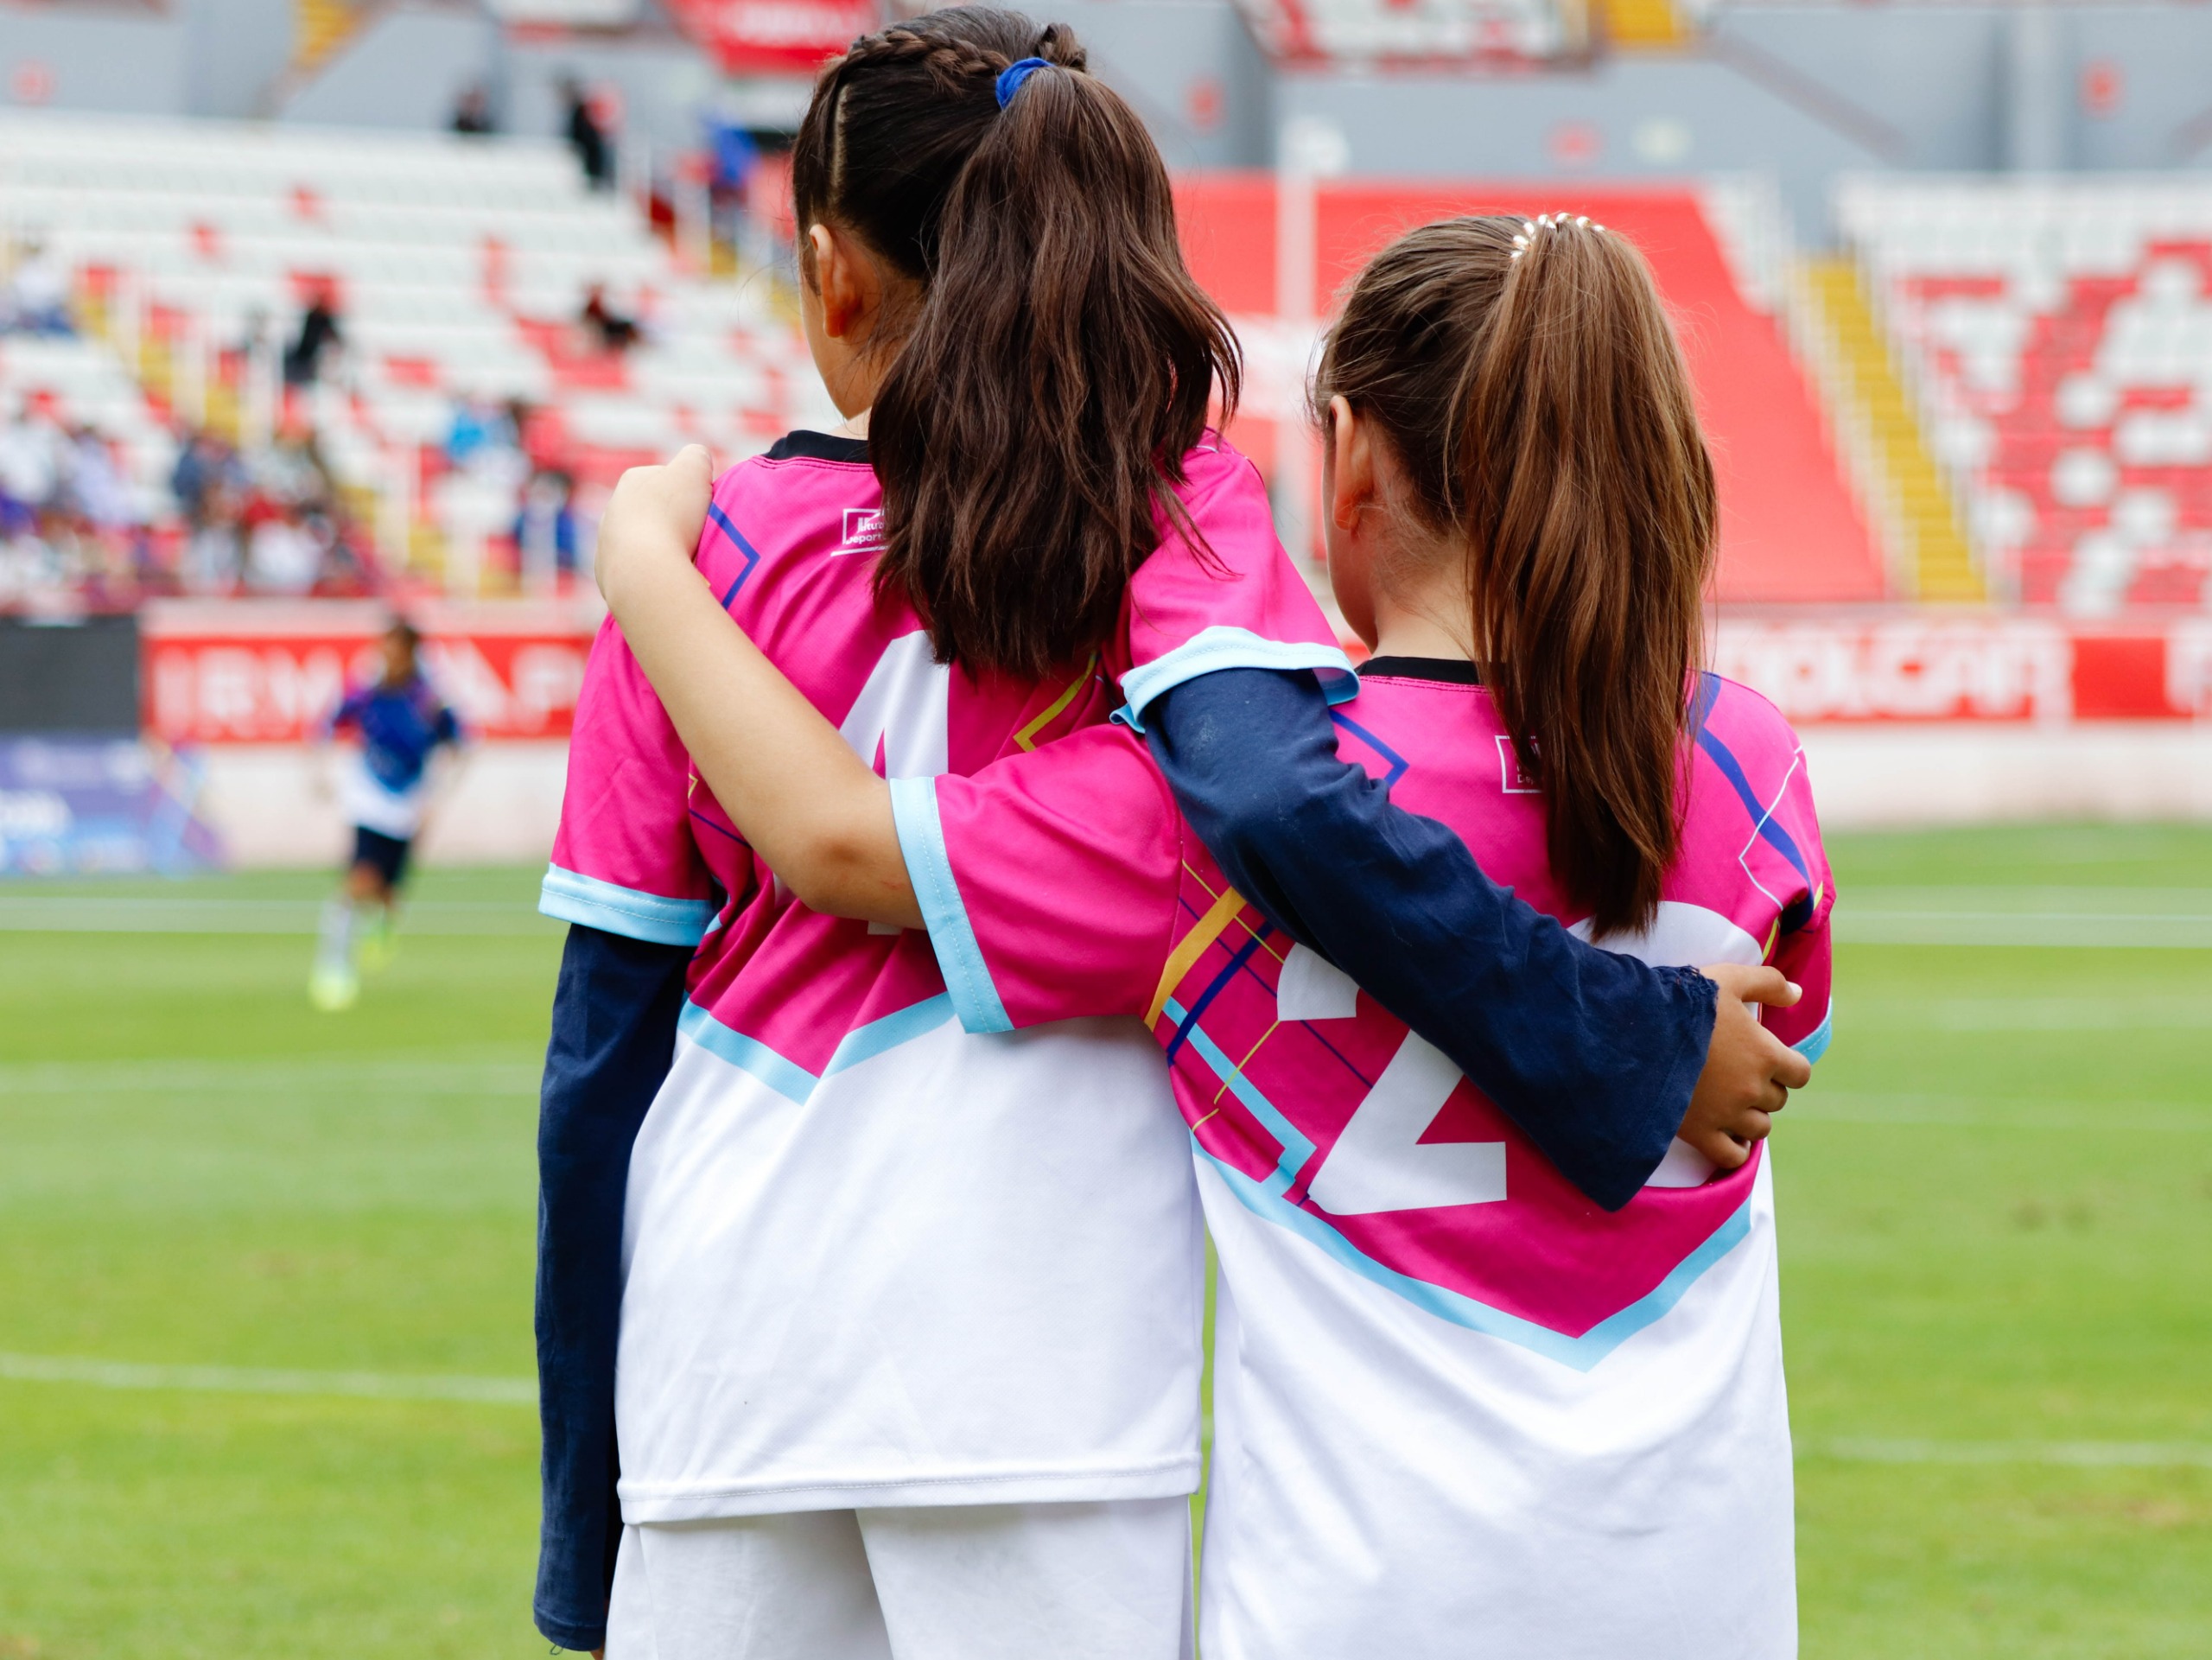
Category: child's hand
<point>1749,1071</point>
<point>654,516</point>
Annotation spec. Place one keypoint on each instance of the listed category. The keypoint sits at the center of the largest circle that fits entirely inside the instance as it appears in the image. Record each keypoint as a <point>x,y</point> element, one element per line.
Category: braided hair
<point>1060,360</point>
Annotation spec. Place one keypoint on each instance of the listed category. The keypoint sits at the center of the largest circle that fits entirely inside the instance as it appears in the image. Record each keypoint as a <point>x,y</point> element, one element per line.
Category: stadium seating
<point>1790,531</point>
<point>2060,336</point>
<point>459,268</point>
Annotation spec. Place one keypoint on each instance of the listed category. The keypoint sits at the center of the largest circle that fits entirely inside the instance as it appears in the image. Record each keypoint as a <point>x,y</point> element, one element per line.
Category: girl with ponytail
<point>908,1332</point>
<point>1458,1408</point>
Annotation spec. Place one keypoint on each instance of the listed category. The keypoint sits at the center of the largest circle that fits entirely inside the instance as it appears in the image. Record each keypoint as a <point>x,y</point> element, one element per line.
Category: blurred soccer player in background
<point>401,722</point>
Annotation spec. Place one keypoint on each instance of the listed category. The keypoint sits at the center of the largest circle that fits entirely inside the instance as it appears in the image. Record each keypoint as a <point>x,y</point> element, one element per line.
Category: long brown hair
<point>1524,375</point>
<point>1034,420</point>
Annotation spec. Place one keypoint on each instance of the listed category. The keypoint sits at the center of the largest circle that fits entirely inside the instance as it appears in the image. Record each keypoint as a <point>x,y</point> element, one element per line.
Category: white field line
<point>248,1380</point>
<point>154,914</point>
<point>523,1391</point>
<point>2061,930</point>
<point>2093,1454</point>
<point>2140,1012</point>
<point>1997,1112</point>
<point>466,1076</point>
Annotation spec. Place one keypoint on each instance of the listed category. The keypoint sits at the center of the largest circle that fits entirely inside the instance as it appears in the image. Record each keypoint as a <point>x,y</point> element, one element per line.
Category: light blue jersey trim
<point>929,867</point>
<point>1815,1044</point>
<point>570,896</point>
<point>787,1077</point>
<point>1266,1201</point>
<point>1222,646</point>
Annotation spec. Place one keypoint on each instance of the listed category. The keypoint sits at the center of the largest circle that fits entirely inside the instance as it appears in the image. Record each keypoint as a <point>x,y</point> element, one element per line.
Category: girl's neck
<point>853,426</point>
<point>1424,614</point>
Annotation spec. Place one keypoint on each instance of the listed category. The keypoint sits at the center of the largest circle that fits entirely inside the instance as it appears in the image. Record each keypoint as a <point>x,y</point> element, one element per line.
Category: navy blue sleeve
<point>1594,1055</point>
<point>613,1036</point>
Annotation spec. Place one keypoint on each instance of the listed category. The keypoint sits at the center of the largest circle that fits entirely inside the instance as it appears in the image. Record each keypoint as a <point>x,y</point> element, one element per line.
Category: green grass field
<point>1996,1209</point>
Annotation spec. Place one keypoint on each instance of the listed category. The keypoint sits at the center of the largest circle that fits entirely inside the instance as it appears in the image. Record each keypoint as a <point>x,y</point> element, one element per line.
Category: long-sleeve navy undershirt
<point>614,1014</point>
<point>1592,1053</point>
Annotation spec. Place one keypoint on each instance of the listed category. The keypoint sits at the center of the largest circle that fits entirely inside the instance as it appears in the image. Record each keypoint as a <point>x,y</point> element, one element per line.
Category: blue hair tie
<point>1013,74</point>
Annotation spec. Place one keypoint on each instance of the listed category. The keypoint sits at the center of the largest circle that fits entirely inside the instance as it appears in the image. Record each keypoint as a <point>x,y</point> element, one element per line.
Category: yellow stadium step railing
<point>1878,424</point>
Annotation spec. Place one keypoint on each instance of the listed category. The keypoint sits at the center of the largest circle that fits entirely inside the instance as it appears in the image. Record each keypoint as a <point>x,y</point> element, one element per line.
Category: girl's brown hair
<point>1526,379</point>
<point>1030,429</point>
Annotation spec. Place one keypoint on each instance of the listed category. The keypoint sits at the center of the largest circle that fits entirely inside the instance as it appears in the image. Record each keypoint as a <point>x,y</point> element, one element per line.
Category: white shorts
<point>1096,1581</point>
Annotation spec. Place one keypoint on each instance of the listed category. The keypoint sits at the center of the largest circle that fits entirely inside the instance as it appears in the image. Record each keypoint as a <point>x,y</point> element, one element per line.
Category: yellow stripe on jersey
<point>1026,738</point>
<point>1193,947</point>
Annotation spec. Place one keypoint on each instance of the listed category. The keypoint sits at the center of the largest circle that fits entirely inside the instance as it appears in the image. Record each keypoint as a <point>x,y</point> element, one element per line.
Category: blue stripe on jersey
<point>1186,1023</point>
<point>1266,1201</point>
<point>571,896</point>
<point>1815,1044</point>
<point>786,1076</point>
<point>1398,762</point>
<point>1732,770</point>
<point>1220,647</point>
<point>929,867</point>
<point>720,521</point>
<point>1580,1352</point>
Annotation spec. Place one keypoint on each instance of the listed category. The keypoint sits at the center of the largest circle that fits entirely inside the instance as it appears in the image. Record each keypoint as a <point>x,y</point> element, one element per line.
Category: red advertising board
<point>1917,665</point>
<point>752,36</point>
<point>268,671</point>
<point>246,672</point>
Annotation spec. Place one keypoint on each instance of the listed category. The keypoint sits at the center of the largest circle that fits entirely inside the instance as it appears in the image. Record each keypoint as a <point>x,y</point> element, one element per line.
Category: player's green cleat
<point>332,987</point>
<point>377,943</point>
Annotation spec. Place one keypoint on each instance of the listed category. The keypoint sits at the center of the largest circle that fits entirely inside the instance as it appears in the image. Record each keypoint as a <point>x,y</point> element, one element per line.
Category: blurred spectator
<point>319,332</point>
<point>98,492</point>
<point>586,137</point>
<point>472,112</point>
<point>291,472</point>
<point>284,555</point>
<point>213,552</point>
<point>545,530</point>
<point>478,425</point>
<point>607,329</point>
<point>31,459</point>
<point>204,464</point>
<point>38,293</point>
<point>70,523</point>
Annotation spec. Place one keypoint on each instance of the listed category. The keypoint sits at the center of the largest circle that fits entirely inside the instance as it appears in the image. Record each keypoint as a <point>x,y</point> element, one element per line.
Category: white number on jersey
<point>1380,1163</point>
<point>901,712</point>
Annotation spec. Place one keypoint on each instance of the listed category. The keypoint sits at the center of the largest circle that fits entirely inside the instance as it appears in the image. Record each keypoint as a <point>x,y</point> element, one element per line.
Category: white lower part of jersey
<point>1108,1582</point>
<point>1387,1483</point>
<point>395,813</point>
<point>965,1270</point>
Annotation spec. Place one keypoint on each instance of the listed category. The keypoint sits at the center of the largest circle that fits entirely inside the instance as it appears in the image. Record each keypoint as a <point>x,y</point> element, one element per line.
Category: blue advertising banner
<point>73,806</point>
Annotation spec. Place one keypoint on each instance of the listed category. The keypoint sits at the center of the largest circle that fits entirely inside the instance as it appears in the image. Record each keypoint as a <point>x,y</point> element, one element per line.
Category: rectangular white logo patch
<point>863,530</point>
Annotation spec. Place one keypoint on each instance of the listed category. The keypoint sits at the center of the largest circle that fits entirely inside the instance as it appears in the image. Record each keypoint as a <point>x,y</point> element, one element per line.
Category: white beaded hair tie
<point>1523,242</point>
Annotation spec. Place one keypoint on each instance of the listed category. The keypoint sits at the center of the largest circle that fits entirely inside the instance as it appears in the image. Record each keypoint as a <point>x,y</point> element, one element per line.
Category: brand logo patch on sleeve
<point>863,530</point>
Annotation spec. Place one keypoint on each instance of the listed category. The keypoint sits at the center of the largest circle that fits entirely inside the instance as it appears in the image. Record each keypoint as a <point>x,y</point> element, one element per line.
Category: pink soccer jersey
<point>859,1268</point>
<point>1453,1398</point>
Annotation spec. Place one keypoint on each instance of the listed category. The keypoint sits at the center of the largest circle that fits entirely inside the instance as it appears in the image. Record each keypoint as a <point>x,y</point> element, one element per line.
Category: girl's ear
<point>847,282</point>
<point>1352,465</point>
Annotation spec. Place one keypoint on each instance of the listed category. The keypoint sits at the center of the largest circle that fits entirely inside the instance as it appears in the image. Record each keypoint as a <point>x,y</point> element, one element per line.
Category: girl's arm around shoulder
<point>819,818</point>
<point>1047,881</point>
<point>1601,1059</point>
<point>1220,592</point>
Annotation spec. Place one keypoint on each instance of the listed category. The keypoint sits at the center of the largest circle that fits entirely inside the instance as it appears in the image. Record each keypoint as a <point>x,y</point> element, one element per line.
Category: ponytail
<point>1529,384</point>
<point>1030,431</point>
